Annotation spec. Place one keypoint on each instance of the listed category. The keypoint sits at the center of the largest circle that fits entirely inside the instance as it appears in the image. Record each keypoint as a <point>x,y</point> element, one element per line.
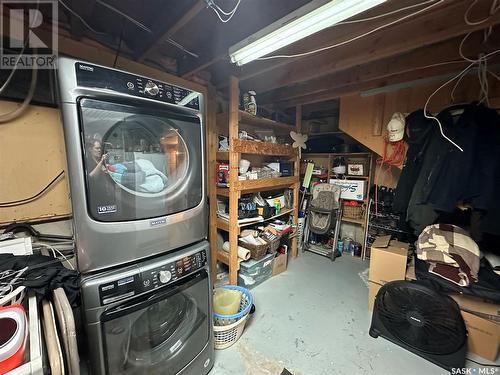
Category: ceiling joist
<point>444,56</point>
<point>433,27</point>
<point>178,25</point>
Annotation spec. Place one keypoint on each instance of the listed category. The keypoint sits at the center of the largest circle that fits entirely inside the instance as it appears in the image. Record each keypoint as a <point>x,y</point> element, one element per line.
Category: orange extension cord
<point>395,159</point>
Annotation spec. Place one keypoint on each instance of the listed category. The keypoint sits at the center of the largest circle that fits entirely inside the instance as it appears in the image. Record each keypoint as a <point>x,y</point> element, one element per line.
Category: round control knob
<point>164,276</point>
<point>151,88</point>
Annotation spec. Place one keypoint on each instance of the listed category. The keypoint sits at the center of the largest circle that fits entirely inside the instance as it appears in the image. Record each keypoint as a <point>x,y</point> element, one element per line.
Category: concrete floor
<point>313,320</point>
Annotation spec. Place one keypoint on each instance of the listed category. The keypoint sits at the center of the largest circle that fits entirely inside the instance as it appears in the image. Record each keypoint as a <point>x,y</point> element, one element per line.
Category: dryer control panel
<point>150,277</point>
<point>88,75</point>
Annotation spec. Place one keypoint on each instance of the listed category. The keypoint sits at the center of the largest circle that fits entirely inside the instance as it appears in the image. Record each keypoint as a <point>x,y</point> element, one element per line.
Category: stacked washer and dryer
<point>135,150</point>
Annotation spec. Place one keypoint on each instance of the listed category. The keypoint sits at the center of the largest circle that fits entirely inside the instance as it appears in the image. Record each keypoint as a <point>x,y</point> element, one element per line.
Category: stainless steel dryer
<point>151,318</point>
<point>135,155</point>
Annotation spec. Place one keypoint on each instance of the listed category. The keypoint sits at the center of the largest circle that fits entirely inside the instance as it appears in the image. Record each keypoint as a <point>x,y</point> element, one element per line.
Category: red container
<point>13,333</point>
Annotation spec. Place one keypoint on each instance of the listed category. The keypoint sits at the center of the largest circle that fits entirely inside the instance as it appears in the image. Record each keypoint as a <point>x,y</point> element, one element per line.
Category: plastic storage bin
<point>255,272</point>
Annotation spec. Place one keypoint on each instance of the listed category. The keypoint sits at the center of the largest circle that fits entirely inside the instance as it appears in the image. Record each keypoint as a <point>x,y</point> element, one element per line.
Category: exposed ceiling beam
<point>221,54</point>
<point>172,30</point>
<point>441,24</point>
<point>418,77</point>
<point>251,17</point>
<point>435,55</point>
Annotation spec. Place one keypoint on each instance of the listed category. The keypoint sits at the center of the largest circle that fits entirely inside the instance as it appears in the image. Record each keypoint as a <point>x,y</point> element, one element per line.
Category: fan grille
<point>421,318</point>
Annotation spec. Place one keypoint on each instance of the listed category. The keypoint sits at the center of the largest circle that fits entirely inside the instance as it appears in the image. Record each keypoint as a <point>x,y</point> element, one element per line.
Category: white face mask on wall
<point>396,127</point>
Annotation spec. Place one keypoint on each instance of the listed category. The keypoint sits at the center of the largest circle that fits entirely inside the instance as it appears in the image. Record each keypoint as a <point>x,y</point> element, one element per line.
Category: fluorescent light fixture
<point>307,20</point>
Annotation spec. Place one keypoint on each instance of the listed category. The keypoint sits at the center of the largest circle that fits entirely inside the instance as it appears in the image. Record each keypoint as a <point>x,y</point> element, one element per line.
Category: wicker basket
<point>353,212</point>
<point>225,336</point>
<point>273,241</point>
<point>228,328</point>
<point>256,251</point>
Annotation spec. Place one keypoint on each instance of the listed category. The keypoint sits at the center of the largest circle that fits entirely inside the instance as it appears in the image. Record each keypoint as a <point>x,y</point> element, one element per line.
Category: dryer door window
<point>139,163</point>
<point>161,333</point>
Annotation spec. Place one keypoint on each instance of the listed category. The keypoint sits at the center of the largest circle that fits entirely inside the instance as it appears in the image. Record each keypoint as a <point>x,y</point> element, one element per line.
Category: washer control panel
<point>88,75</point>
<point>152,276</point>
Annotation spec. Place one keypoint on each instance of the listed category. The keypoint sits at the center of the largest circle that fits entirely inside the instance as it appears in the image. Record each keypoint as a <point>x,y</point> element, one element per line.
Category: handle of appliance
<point>150,299</point>
<point>130,106</point>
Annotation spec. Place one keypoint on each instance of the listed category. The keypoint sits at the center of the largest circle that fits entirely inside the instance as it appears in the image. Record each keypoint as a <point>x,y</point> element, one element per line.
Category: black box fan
<point>422,321</point>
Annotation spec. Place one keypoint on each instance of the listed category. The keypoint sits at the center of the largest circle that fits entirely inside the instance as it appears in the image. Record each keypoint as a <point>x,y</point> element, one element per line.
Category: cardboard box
<point>410,270</point>
<point>350,189</point>
<point>373,289</point>
<point>279,264</point>
<point>478,306</point>
<point>387,260</point>
<point>483,336</point>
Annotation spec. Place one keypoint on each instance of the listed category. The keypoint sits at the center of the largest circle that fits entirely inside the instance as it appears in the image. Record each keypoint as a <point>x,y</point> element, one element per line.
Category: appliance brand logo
<point>158,222</point>
<point>30,38</point>
<point>108,209</point>
<point>86,67</point>
<point>108,287</point>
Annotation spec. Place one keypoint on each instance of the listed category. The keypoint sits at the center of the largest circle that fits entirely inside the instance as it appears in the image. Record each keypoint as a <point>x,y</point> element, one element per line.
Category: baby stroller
<point>323,215</point>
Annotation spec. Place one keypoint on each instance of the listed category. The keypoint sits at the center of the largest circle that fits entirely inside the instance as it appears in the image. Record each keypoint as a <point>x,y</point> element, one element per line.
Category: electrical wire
<point>124,15</point>
<point>354,38</point>
<point>385,14</point>
<point>9,116</point>
<point>226,13</point>
<point>33,197</point>
<point>493,10</point>
<point>18,111</point>
<point>54,251</point>
<point>220,13</point>
<point>81,18</point>
<point>431,117</point>
<point>119,48</point>
<point>484,87</point>
<point>182,48</point>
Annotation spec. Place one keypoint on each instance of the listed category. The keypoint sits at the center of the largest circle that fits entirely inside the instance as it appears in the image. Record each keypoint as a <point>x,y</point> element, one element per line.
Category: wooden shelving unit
<point>233,120</point>
<point>328,158</point>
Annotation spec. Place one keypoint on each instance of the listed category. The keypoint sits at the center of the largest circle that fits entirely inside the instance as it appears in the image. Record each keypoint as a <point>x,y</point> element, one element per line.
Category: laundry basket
<point>228,328</point>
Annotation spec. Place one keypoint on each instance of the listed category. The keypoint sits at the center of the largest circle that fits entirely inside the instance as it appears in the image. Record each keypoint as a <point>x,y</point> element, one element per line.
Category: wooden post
<point>296,186</point>
<point>212,141</point>
<point>234,159</point>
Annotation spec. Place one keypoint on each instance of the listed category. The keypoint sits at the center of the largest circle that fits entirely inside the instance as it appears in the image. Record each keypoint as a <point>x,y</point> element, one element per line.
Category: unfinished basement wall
<point>32,153</point>
<point>364,117</point>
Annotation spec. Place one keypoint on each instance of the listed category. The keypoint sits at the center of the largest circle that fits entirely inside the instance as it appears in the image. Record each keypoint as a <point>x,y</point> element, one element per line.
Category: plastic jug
<point>226,301</point>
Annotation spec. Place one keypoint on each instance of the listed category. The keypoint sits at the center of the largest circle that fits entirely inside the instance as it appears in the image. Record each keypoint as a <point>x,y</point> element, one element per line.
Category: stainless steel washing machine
<point>151,318</point>
<point>135,150</point>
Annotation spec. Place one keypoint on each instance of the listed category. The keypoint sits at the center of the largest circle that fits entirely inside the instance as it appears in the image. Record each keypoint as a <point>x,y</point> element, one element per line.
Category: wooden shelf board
<point>249,119</point>
<point>354,221</point>
<point>222,155</point>
<point>223,224</point>
<point>357,177</point>
<point>223,257</point>
<point>326,154</point>
<point>282,213</point>
<point>223,191</point>
<point>263,148</point>
<point>266,183</point>
<point>327,133</point>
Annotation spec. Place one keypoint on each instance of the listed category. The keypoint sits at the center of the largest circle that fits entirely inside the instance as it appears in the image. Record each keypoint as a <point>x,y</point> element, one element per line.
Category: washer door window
<point>161,333</point>
<point>140,163</point>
